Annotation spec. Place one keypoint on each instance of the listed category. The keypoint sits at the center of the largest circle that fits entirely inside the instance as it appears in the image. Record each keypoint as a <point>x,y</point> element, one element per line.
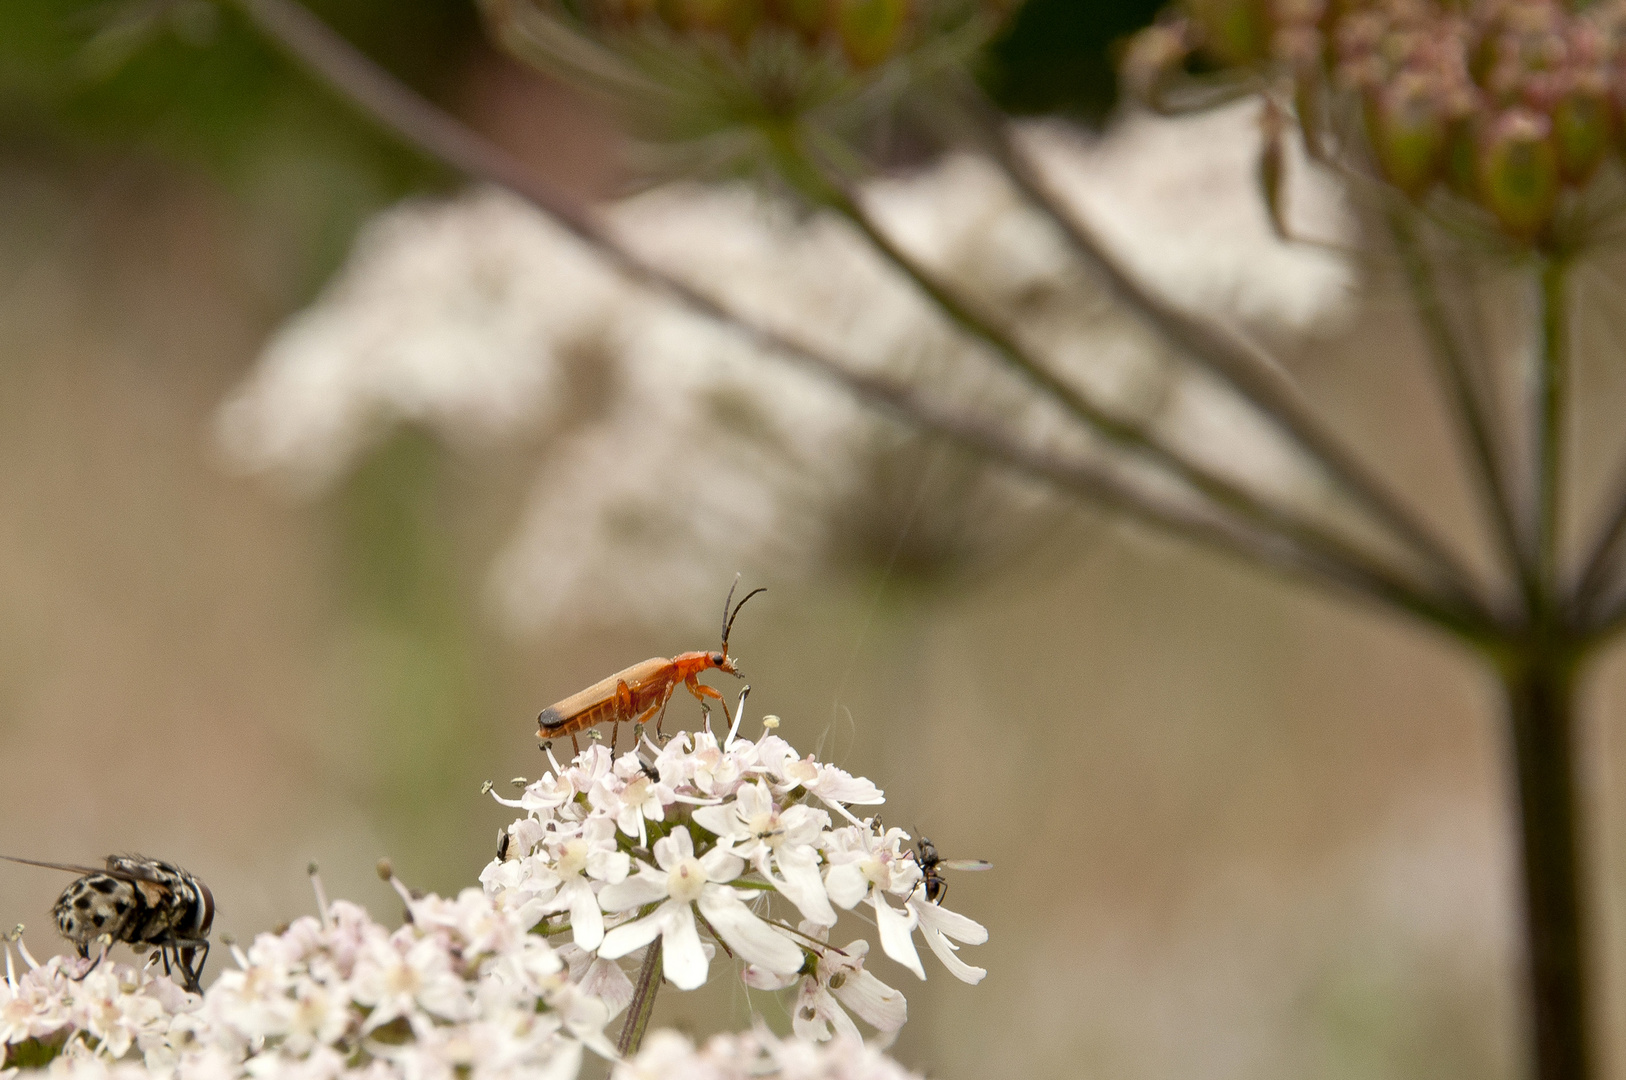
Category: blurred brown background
<point>1238,831</point>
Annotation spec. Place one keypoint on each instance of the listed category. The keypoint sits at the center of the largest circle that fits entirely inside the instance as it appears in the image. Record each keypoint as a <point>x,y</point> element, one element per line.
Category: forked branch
<point>1241,364</point>
<point>1127,436</point>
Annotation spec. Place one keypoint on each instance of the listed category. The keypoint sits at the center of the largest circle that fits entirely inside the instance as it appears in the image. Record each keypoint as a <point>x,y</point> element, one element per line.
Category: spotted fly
<point>141,902</point>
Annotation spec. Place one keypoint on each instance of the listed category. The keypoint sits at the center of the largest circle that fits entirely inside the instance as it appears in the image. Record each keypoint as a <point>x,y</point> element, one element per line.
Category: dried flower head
<point>723,78</point>
<point>1509,105</point>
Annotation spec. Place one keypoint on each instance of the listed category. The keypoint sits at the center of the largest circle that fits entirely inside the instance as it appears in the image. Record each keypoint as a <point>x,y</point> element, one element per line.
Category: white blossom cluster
<point>462,987</point>
<point>690,847</point>
<point>729,840</point>
<point>675,451</point>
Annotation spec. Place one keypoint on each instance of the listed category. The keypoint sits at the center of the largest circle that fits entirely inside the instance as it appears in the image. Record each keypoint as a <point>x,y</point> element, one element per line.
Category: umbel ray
<point>643,690</point>
<point>141,902</point>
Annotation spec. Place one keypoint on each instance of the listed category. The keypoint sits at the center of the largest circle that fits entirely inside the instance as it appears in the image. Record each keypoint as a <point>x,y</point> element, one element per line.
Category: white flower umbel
<point>728,840</point>
<point>663,847</point>
<point>462,989</point>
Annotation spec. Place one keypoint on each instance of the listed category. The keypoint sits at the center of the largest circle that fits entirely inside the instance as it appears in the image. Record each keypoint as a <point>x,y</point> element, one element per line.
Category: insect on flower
<point>930,863</point>
<point>642,690</point>
<point>138,901</point>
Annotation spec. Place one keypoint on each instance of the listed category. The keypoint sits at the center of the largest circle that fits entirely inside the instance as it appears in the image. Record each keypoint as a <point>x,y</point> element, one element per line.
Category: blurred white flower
<point>666,1055</point>
<point>1178,199</point>
<point>674,453</point>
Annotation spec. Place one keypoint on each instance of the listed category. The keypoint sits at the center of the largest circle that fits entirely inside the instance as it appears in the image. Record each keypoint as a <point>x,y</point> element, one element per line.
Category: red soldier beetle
<point>642,690</point>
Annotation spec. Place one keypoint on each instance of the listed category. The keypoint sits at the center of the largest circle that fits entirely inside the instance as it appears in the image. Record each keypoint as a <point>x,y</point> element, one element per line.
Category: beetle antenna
<point>727,600</point>
<point>729,625</point>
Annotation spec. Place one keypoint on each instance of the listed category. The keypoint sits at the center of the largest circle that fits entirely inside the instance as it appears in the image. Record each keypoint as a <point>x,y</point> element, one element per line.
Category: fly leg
<point>191,972</point>
<point>84,953</point>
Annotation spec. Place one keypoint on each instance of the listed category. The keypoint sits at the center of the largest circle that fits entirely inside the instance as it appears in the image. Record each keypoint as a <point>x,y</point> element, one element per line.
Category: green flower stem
<point>1553,376</point>
<point>643,1001</point>
<point>1540,691</point>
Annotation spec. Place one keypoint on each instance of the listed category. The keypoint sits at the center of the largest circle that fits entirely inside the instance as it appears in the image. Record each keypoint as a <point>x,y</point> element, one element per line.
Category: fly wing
<point>136,868</point>
<point>71,868</point>
<point>964,864</point>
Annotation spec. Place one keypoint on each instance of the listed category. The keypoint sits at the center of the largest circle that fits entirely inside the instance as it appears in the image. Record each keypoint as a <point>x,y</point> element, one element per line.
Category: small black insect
<point>930,863</point>
<point>138,901</point>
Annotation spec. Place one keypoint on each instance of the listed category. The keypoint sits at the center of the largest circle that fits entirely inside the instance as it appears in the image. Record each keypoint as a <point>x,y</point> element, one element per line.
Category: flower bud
<point>1234,31</point>
<point>1408,135</point>
<point>870,29</point>
<point>810,18</point>
<point>1582,128</point>
<point>734,19</point>
<point>1518,171</point>
<point>623,12</point>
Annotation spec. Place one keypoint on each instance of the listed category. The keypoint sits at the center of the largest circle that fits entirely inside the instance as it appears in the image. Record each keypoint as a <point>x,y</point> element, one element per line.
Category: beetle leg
<point>623,708</point>
<point>666,699</point>
<point>638,725</point>
<point>700,690</point>
<point>575,744</point>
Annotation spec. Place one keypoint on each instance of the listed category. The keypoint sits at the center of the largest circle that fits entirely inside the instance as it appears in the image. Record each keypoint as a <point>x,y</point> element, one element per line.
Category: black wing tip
<point>549,718</point>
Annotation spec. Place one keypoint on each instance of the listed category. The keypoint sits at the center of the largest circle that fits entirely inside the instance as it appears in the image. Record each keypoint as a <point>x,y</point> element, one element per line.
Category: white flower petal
<point>895,927</point>
<point>944,949</point>
<point>951,923</point>
<point>846,884</point>
<point>875,1003</point>
<point>722,866</point>
<point>803,885</point>
<point>606,981</point>
<point>720,819</point>
<point>629,936</point>
<point>682,958</point>
<point>747,935</point>
<point>586,920</point>
<point>636,891</point>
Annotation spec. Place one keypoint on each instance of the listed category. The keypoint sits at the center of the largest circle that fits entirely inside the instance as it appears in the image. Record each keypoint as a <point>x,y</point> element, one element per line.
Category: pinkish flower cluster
<point>461,988</point>
<point>1511,105</point>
